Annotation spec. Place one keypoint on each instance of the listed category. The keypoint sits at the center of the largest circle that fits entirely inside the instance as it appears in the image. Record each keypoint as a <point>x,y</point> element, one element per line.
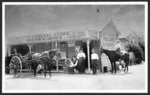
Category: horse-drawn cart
<point>32,61</point>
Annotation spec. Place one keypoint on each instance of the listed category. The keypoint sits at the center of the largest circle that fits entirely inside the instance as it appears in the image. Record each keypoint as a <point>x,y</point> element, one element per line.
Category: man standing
<point>94,58</point>
<point>81,61</point>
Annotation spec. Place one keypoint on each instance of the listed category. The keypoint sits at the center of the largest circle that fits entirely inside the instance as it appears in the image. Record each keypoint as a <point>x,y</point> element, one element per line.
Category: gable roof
<point>132,34</point>
<point>112,24</point>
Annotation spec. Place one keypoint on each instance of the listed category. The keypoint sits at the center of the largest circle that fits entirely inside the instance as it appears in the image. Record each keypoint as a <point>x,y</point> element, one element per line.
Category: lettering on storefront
<point>58,36</point>
<point>108,42</point>
<point>71,43</point>
<point>93,34</point>
<point>109,39</point>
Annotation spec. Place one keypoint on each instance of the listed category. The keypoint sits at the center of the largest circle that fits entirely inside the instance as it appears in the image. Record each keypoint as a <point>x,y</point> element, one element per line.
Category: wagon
<point>18,62</point>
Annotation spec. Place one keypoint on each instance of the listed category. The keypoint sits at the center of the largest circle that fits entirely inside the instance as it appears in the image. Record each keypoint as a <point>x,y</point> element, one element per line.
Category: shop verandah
<point>67,42</point>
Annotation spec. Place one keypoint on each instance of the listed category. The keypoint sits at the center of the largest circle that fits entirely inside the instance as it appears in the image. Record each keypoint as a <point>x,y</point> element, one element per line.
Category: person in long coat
<point>81,61</point>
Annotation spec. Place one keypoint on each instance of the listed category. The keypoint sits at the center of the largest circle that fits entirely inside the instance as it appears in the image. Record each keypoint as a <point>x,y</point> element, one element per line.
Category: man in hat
<point>118,47</point>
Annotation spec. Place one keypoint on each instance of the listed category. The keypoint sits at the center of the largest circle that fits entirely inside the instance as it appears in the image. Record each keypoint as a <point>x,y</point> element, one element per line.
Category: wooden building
<point>67,42</point>
<point>108,37</point>
<point>133,38</point>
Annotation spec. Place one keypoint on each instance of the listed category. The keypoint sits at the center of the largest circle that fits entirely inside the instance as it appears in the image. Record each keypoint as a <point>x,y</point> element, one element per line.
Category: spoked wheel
<point>15,66</point>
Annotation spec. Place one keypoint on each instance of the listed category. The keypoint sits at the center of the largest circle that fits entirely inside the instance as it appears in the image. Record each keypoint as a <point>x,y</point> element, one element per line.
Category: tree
<point>137,50</point>
<point>142,45</point>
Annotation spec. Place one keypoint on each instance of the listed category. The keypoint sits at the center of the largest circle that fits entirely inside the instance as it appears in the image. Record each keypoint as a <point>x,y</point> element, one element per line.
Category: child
<point>94,58</point>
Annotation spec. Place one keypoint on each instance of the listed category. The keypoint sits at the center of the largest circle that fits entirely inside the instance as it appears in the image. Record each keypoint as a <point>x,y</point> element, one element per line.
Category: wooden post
<point>100,46</point>
<point>88,50</point>
<point>57,65</point>
<point>30,46</point>
<point>9,50</point>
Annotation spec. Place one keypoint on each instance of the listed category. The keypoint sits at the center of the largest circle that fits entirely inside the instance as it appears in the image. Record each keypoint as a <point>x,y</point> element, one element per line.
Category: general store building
<point>68,42</point>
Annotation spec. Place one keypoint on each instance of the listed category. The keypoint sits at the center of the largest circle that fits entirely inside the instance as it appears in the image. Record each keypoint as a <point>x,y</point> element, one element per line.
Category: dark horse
<point>45,59</point>
<point>115,56</point>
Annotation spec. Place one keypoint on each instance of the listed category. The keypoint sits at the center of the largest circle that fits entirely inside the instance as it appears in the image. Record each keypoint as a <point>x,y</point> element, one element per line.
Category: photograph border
<point>75,3</point>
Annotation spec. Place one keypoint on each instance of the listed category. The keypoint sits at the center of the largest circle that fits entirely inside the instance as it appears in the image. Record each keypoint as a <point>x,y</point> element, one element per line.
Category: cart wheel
<point>15,66</point>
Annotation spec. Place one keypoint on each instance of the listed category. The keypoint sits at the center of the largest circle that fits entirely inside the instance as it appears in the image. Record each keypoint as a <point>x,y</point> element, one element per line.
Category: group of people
<point>77,63</point>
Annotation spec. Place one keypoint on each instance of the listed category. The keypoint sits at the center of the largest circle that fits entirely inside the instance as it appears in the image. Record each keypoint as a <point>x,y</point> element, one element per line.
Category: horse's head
<point>57,52</point>
<point>53,53</point>
<point>101,49</point>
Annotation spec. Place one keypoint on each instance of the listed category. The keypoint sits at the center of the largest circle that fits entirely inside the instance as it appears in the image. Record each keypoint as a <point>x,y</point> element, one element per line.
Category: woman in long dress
<point>81,61</point>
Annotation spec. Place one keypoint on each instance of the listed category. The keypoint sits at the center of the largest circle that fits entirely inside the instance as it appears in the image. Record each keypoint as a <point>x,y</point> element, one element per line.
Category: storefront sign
<point>108,42</point>
<point>54,36</point>
<point>108,45</point>
<point>93,34</point>
<point>71,43</point>
<point>63,55</point>
<point>105,61</point>
<point>109,39</point>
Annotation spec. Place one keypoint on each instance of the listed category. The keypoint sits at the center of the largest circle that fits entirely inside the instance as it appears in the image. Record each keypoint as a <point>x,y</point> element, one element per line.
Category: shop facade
<point>67,42</point>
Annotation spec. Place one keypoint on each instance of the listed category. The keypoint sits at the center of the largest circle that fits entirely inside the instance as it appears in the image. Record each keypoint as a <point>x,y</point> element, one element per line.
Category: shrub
<point>136,49</point>
<point>142,45</point>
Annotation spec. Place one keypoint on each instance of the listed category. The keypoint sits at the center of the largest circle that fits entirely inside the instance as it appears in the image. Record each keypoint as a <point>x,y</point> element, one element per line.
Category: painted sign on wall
<point>108,42</point>
<point>109,39</point>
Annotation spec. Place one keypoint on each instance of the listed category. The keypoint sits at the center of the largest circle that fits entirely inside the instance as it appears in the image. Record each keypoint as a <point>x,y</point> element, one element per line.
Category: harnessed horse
<point>45,59</point>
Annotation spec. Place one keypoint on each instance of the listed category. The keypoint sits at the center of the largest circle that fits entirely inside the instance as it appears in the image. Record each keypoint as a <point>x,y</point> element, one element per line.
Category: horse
<point>45,59</point>
<point>115,56</point>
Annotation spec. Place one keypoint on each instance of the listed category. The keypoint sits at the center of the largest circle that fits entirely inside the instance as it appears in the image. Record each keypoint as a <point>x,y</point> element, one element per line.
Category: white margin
<point>75,3</point>
<point>3,47</point>
<point>146,47</point>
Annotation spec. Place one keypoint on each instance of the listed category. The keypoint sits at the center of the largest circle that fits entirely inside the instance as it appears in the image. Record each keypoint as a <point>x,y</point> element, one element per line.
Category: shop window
<point>63,46</point>
<point>55,45</point>
<point>39,47</point>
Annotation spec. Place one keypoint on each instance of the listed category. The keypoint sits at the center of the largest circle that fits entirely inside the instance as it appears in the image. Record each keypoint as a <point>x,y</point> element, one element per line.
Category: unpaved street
<point>133,80</point>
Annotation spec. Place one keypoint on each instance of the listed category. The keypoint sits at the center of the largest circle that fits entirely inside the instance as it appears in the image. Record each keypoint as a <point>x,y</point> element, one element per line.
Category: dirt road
<point>102,82</point>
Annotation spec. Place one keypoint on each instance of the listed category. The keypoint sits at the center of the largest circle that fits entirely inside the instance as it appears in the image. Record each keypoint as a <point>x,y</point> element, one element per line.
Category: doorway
<point>84,47</point>
<point>93,44</point>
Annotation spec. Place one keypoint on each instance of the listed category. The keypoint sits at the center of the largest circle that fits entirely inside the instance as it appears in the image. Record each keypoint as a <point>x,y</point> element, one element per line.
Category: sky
<point>33,19</point>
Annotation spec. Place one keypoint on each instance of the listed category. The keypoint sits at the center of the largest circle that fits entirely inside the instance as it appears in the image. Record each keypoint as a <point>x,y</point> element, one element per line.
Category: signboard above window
<point>71,43</point>
<point>109,39</point>
<point>108,42</point>
<point>55,36</point>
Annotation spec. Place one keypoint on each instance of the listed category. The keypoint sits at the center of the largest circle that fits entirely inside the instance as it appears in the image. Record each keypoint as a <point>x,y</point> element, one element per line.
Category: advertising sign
<point>108,42</point>
<point>55,36</point>
<point>71,43</point>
